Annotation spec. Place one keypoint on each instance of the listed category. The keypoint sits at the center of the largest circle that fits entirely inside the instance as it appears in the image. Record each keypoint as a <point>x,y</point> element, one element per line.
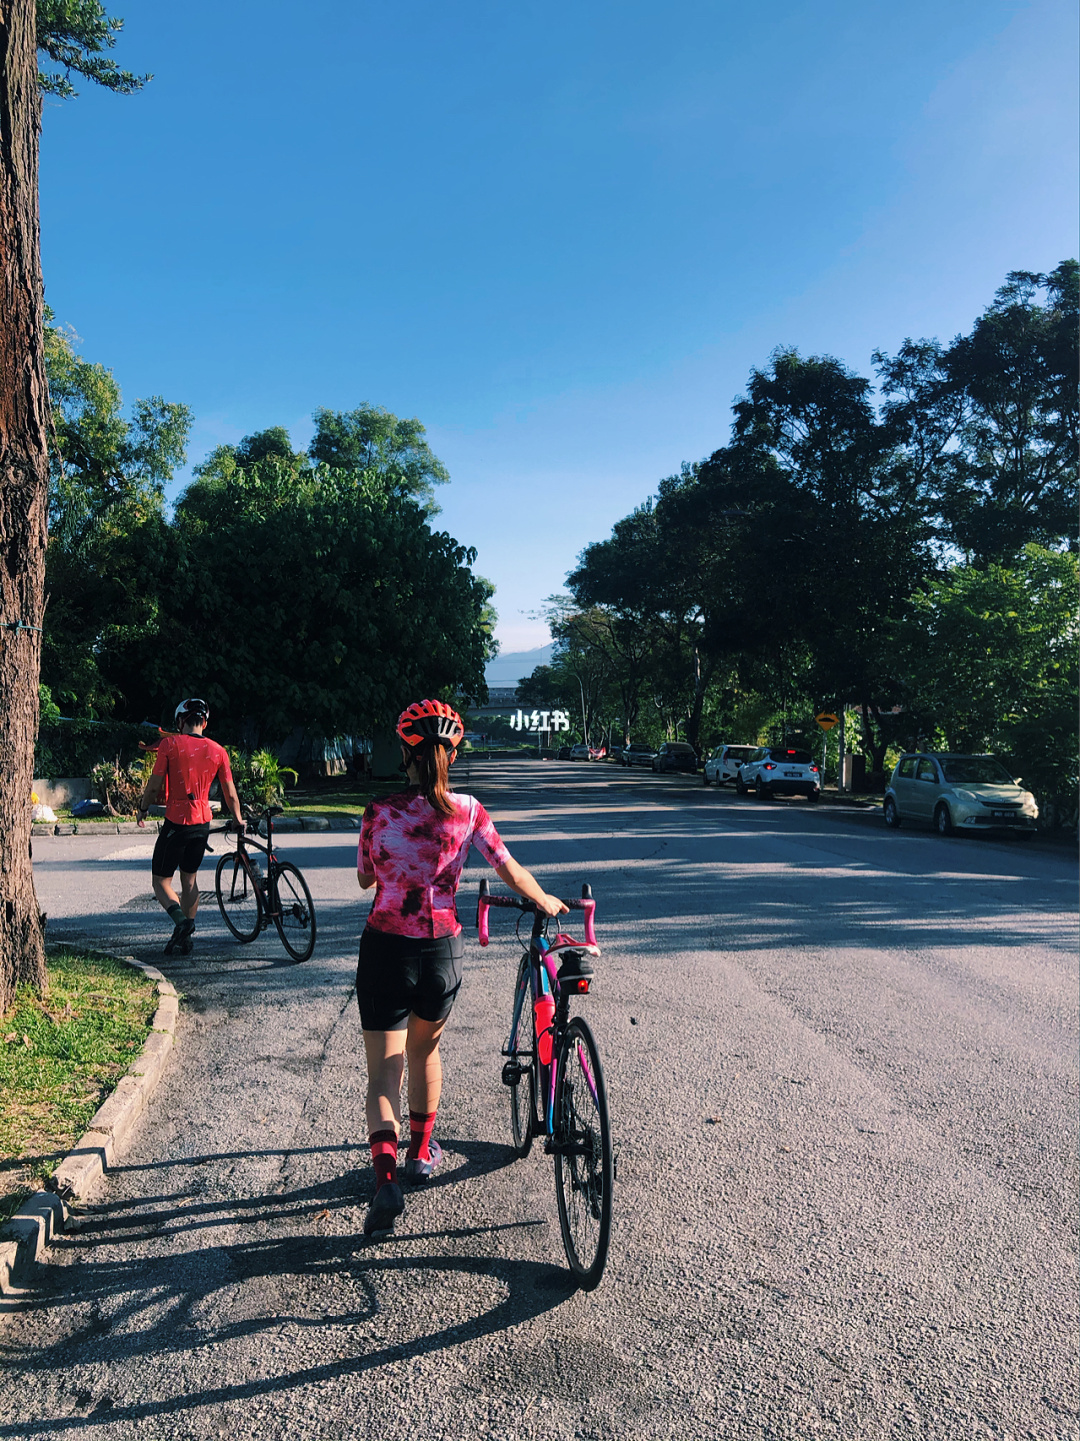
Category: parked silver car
<point>638,754</point>
<point>958,793</point>
<point>723,765</point>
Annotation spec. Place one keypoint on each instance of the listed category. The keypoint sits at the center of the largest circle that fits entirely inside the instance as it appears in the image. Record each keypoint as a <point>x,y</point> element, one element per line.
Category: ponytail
<point>433,764</point>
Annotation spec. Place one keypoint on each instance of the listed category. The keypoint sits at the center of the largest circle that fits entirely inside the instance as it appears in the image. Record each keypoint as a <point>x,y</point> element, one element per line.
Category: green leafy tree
<point>73,35</point>
<point>110,552</point>
<point>304,595</point>
<point>372,441</point>
<point>987,659</point>
<point>1013,478</point>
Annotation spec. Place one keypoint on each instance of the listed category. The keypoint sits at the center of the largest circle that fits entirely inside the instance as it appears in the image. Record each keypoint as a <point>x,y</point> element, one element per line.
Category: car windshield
<point>680,747</point>
<point>740,753</point>
<point>793,758</point>
<point>976,771</point>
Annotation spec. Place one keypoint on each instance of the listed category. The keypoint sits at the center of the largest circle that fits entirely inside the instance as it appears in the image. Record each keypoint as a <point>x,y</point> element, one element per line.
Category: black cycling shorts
<point>401,975</point>
<point>182,846</point>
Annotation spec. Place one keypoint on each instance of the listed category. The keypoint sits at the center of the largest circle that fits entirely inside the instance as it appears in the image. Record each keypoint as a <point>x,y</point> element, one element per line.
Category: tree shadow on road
<point>172,1304</point>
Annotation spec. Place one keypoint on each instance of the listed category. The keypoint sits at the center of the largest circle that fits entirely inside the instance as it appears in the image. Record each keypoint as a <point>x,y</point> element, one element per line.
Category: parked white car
<point>723,765</point>
<point>780,771</point>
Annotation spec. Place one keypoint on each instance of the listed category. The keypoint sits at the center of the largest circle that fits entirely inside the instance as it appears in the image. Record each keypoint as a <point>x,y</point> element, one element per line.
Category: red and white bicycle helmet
<point>192,710</point>
<point>430,720</point>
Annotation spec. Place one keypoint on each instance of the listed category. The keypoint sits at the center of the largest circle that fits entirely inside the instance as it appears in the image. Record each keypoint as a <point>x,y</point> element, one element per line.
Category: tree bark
<point>23,491</point>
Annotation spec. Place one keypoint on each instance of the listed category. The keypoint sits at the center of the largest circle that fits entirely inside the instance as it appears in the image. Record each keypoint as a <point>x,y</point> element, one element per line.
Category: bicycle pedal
<point>512,1073</point>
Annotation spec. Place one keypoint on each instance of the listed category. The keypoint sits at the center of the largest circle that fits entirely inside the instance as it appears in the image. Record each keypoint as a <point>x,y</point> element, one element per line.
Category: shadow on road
<point>165,1306</point>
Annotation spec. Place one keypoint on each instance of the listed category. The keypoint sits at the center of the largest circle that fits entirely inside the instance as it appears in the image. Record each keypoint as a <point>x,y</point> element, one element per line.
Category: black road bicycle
<point>556,1081</point>
<point>250,896</point>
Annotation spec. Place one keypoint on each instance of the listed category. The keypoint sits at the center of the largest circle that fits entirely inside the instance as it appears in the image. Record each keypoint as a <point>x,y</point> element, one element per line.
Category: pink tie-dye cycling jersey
<point>417,855</point>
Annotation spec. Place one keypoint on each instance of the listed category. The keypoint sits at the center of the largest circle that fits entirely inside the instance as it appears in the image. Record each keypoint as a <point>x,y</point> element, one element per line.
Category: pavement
<point>843,1073</point>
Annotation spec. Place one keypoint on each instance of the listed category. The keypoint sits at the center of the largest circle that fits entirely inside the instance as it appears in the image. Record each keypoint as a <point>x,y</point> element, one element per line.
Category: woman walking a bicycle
<point>413,847</point>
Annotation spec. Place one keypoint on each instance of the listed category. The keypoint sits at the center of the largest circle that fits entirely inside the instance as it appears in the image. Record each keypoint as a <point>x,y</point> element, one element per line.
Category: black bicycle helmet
<point>430,720</point>
<point>192,711</point>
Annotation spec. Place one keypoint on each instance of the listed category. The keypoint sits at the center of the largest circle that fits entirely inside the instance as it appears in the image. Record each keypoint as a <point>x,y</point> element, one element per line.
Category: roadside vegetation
<point>905,548</point>
<point>61,1054</point>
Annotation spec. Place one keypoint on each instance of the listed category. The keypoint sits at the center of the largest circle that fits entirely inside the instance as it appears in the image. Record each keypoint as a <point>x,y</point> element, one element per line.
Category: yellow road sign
<point>826,720</point>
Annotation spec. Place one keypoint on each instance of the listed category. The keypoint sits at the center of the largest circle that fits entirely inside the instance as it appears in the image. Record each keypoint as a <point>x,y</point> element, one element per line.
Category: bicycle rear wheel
<point>238,897</point>
<point>584,1168</point>
<point>524,1120</point>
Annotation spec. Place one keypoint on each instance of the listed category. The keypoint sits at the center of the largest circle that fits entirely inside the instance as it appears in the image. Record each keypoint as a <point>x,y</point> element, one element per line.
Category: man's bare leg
<point>189,894</point>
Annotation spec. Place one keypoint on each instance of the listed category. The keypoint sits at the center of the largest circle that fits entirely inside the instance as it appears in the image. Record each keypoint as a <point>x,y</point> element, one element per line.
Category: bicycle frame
<point>271,899</point>
<point>543,980</point>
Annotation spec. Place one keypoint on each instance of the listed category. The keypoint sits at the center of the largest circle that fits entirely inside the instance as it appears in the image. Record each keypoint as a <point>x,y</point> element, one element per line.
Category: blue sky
<point>559,234</point>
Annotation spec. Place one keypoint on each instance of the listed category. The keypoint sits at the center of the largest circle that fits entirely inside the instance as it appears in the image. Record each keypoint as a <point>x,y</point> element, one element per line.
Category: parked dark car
<point>638,754</point>
<point>676,756</point>
<point>564,752</point>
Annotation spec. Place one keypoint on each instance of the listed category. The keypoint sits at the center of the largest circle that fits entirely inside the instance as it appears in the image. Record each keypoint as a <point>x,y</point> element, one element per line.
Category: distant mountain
<point>506,670</point>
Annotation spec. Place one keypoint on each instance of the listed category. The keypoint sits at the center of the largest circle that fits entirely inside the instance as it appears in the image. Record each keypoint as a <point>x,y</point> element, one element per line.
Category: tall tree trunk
<point>702,680</point>
<point>23,491</point>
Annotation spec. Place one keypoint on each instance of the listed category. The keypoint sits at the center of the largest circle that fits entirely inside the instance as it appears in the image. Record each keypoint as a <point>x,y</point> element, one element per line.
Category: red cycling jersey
<point>417,856</point>
<point>189,764</point>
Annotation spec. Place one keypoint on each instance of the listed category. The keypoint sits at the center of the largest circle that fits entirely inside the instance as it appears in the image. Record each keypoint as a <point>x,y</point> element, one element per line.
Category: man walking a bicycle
<point>186,766</point>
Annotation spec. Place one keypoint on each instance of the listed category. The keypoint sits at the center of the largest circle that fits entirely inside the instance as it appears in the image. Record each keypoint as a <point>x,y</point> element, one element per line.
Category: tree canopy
<point>799,565</point>
<point>74,35</point>
<point>286,590</point>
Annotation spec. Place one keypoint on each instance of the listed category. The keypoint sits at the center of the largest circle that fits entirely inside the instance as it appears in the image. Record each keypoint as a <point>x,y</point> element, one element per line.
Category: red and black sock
<point>421,1125</point>
<point>384,1156</point>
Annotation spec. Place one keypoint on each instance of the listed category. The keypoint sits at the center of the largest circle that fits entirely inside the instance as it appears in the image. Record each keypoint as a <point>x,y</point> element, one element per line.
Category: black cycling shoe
<point>418,1171</point>
<point>180,940</point>
<point>387,1206</point>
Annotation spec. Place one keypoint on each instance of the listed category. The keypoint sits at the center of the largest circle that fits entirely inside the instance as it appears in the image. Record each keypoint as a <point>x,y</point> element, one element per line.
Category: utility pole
<point>841,779</point>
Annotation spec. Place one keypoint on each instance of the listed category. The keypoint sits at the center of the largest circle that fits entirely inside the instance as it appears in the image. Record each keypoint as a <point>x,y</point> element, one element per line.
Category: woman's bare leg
<point>425,1064</point>
<point>385,1051</point>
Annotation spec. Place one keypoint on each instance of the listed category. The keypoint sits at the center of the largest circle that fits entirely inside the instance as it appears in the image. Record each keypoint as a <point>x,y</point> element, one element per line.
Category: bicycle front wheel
<point>584,1168</point>
<point>295,916</point>
<point>238,896</point>
<point>524,1083</point>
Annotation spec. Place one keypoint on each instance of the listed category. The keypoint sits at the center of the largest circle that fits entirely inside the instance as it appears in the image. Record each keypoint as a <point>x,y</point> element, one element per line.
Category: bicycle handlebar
<point>515,903</point>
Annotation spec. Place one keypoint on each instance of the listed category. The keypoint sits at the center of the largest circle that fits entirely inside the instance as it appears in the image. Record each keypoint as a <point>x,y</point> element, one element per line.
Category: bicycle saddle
<point>274,810</point>
<point>574,956</point>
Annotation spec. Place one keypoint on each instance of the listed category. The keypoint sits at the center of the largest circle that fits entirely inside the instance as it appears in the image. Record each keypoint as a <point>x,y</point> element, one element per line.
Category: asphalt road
<point>843,1072</point>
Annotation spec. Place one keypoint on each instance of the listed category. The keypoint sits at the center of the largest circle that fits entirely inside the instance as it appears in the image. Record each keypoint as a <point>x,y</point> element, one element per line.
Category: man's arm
<point>232,800</point>
<point>149,796</point>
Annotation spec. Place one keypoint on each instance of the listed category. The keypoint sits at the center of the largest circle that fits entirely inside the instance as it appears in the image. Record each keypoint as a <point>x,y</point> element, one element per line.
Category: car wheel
<point>892,815</point>
<point>943,820</point>
<point>705,778</point>
<point>814,796</point>
<point>763,792</point>
<point>740,789</point>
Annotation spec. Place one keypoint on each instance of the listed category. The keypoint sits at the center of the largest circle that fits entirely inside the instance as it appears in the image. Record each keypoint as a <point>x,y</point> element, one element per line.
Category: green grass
<point>336,796</point>
<point>60,1056</point>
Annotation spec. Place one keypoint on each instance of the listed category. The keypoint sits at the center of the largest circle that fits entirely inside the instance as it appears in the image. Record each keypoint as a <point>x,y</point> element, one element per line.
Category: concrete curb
<point>42,830</point>
<point>33,1227</point>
